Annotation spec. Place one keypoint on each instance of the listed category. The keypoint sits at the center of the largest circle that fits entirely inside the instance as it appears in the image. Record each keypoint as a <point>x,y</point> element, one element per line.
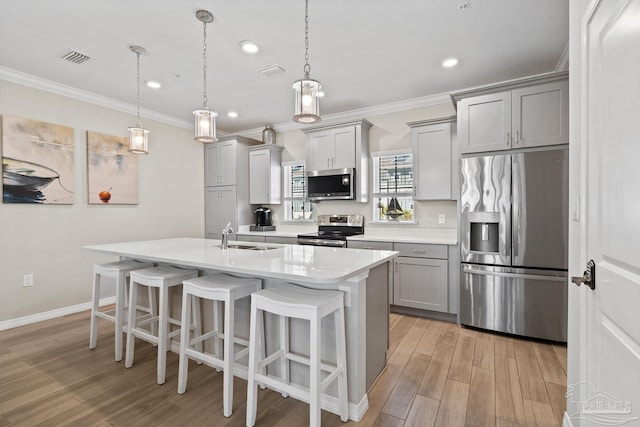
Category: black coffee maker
<point>263,217</point>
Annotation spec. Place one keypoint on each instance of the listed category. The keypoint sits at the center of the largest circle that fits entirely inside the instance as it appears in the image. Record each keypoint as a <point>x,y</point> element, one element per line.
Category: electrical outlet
<point>27,281</point>
<point>441,219</point>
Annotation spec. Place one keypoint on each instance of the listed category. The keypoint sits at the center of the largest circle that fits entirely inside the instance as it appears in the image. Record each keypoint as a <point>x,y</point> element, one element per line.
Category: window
<point>296,205</point>
<point>393,187</point>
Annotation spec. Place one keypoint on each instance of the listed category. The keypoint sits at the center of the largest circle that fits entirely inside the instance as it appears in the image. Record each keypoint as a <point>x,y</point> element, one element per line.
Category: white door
<point>608,388</point>
<point>322,149</point>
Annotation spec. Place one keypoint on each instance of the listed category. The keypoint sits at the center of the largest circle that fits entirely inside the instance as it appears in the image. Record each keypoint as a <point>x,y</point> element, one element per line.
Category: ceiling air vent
<point>273,70</point>
<point>75,57</point>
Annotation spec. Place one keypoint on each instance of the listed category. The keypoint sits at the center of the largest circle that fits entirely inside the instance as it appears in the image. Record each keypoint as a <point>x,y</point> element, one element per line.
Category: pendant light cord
<point>307,67</point>
<point>138,93</point>
<point>204,66</point>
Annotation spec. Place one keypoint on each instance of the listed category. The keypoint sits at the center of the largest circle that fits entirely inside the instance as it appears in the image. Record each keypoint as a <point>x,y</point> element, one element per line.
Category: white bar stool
<point>291,301</point>
<point>162,278</point>
<point>119,271</point>
<point>223,290</point>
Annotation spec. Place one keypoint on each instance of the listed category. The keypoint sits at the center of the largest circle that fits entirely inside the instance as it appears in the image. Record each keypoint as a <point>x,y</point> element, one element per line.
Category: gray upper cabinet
<point>340,146</point>
<point>520,113</point>
<point>226,163</point>
<point>435,165</point>
<point>220,160</point>
<point>265,174</point>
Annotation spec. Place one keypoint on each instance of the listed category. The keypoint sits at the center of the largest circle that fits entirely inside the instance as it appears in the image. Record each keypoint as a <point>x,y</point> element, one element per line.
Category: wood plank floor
<point>437,374</point>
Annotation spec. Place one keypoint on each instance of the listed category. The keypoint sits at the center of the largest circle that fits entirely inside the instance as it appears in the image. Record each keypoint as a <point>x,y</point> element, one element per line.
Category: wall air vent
<point>75,57</point>
<point>273,70</point>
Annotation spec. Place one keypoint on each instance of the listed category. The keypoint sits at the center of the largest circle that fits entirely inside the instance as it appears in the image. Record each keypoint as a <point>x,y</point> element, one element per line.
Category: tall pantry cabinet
<point>226,177</point>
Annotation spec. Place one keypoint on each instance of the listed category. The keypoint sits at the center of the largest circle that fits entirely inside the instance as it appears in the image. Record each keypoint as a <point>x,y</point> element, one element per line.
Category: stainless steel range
<point>333,230</point>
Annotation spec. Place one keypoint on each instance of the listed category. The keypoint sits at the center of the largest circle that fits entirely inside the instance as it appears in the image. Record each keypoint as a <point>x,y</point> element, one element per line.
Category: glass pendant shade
<point>307,102</point>
<point>205,125</point>
<point>138,140</point>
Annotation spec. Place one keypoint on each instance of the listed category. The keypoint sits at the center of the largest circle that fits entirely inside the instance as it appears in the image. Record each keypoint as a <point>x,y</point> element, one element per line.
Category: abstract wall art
<point>37,162</point>
<point>112,171</point>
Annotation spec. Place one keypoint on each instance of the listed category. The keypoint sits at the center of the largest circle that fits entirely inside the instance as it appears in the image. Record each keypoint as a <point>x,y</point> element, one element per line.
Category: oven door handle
<point>322,242</point>
<point>469,270</point>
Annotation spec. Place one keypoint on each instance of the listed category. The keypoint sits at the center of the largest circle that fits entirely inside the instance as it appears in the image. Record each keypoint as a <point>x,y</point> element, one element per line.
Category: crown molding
<point>358,114</point>
<point>81,95</point>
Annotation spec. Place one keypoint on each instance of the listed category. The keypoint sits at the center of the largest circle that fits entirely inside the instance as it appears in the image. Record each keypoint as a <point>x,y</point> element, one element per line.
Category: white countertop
<point>435,236</point>
<point>312,264</point>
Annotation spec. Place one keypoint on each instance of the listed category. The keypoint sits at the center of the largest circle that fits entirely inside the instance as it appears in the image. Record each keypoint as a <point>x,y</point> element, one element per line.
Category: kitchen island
<point>361,274</point>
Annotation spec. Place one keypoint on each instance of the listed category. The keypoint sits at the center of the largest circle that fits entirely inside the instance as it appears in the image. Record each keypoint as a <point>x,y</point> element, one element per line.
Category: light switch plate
<point>27,280</point>
<point>441,219</point>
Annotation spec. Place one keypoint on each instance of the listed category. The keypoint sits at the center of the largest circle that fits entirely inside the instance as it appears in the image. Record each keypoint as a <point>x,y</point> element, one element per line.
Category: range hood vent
<point>75,57</point>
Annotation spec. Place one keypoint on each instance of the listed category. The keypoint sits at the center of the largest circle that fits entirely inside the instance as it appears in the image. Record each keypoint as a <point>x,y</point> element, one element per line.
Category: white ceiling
<point>365,53</point>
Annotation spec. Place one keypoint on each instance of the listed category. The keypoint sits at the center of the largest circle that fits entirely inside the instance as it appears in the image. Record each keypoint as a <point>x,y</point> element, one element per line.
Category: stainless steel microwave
<point>332,184</point>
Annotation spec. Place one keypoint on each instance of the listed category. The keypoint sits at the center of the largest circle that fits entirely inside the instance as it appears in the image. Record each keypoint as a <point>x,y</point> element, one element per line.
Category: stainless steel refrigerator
<point>514,243</point>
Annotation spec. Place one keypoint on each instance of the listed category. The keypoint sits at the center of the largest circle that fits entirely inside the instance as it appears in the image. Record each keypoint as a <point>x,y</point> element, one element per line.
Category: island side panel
<point>377,323</point>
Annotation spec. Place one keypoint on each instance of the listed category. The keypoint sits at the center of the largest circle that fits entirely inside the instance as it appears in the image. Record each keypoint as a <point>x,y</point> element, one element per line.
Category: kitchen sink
<point>250,247</point>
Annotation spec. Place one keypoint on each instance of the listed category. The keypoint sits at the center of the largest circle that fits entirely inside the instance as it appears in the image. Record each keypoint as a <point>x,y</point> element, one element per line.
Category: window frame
<point>377,195</point>
<point>287,198</point>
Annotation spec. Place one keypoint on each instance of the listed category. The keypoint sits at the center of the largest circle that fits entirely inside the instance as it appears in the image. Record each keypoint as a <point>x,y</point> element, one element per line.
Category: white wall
<point>389,132</point>
<point>46,240</point>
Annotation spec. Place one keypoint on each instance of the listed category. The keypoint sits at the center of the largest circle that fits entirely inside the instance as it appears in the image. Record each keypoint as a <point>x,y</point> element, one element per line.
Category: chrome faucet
<point>225,236</point>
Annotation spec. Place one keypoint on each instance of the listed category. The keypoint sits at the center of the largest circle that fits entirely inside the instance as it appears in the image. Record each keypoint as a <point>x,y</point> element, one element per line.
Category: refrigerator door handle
<point>470,270</point>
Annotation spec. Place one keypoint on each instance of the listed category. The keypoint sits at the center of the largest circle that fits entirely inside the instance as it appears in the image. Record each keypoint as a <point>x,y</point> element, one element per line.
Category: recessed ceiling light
<point>232,114</point>
<point>153,84</point>
<point>450,62</point>
<point>249,46</point>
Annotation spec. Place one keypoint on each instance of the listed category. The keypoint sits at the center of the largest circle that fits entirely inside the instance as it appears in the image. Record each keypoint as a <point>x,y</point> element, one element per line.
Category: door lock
<point>588,277</point>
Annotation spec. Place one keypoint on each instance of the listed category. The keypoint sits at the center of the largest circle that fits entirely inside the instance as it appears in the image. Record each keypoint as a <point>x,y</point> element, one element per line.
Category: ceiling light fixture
<point>450,62</point>
<point>249,47</point>
<point>138,136</point>
<point>232,114</point>
<point>205,118</point>
<point>307,102</point>
<point>153,84</point>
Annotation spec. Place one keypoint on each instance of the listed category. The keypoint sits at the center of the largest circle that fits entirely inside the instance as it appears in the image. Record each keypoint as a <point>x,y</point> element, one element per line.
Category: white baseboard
<point>48,315</point>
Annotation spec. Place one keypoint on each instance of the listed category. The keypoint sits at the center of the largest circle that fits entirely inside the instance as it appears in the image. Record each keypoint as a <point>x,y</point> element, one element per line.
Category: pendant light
<point>205,122</point>
<point>307,102</point>
<point>138,136</point>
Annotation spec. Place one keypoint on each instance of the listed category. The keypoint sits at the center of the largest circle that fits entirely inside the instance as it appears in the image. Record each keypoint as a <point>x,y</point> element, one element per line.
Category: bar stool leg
<point>153,306</point>
<point>217,325</point>
<point>229,334</point>
<point>284,344</point>
<point>131,323</point>
<point>163,327</point>
<point>341,362</point>
<point>252,388</point>
<point>314,370</point>
<point>183,364</point>
<point>95,296</point>
<point>119,313</point>
<point>197,321</point>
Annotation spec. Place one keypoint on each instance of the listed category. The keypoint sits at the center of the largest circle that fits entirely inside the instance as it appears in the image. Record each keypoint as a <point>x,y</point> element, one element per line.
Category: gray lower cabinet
<point>421,283</point>
<point>282,239</point>
<point>250,238</point>
<point>421,277</point>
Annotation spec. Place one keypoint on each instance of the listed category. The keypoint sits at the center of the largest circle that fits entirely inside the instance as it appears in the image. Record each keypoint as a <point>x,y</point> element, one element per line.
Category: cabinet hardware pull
<point>517,140</point>
<point>508,138</point>
<point>396,266</point>
<point>367,247</point>
<point>419,251</point>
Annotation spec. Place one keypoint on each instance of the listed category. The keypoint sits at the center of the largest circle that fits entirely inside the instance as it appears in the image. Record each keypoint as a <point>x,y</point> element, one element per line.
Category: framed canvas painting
<point>112,171</point>
<point>37,162</point>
